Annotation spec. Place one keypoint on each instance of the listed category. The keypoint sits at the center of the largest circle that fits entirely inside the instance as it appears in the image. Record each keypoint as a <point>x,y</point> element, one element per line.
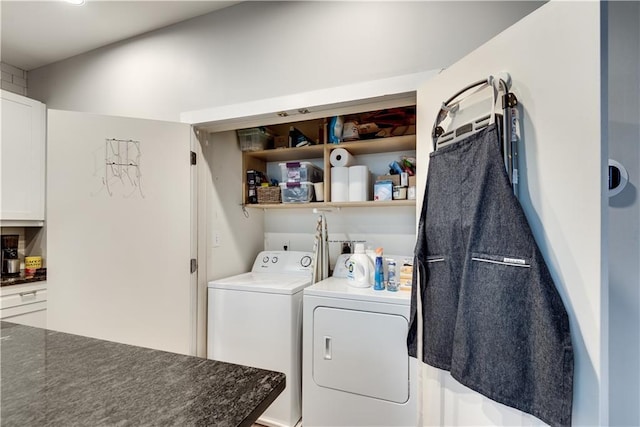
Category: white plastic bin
<point>300,172</point>
<point>296,192</point>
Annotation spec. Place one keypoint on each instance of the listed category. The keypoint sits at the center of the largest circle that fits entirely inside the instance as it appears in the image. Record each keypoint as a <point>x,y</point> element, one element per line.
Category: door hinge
<point>193,158</point>
<point>194,265</point>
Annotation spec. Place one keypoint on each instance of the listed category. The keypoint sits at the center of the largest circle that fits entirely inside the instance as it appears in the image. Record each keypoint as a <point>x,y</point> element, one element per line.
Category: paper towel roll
<point>339,184</point>
<point>358,183</point>
<point>341,157</point>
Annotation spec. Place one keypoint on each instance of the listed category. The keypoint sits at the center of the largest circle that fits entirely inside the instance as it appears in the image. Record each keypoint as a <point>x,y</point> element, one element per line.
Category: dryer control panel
<point>283,262</point>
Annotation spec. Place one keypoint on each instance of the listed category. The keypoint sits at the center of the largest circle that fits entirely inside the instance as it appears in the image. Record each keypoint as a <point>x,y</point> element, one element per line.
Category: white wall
<point>624,214</point>
<point>239,237</point>
<point>258,50</point>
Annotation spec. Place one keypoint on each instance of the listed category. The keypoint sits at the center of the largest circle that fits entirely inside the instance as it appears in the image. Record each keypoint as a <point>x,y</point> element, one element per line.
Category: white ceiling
<point>37,33</point>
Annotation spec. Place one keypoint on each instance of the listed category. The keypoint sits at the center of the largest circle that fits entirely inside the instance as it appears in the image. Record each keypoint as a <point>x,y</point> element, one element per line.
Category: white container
<point>359,268</point>
<point>318,189</point>
<point>399,193</point>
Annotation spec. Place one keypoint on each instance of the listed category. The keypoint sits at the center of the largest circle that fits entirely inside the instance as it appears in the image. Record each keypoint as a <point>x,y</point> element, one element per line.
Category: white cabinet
<point>25,304</point>
<point>22,157</point>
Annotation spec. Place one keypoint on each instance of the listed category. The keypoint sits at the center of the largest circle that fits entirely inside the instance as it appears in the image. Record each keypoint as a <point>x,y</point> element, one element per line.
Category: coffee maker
<point>9,255</point>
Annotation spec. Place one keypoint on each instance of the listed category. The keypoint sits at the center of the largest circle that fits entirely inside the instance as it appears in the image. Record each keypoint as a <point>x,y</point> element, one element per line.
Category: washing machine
<point>255,319</point>
<point>356,370</point>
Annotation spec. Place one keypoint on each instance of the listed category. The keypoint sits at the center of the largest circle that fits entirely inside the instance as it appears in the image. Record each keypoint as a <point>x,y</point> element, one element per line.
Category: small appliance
<point>9,254</point>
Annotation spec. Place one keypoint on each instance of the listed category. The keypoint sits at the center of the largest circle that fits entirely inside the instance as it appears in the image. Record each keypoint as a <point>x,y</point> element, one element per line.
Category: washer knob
<point>305,261</point>
<point>265,259</point>
<point>274,259</point>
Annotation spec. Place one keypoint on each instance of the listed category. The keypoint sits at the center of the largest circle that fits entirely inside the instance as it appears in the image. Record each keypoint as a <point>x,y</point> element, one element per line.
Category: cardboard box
<point>395,179</point>
<point>412,181</point>
<point>281,142</point>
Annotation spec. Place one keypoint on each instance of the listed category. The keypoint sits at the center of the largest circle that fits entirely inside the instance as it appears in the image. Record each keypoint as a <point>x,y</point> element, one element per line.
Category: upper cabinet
<point>22,157</point>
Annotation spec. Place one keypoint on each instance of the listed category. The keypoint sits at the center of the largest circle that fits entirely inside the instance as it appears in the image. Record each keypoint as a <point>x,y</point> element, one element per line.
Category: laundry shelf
<point>378,145</point>
<point>287,154</point>
<point>367,204</point>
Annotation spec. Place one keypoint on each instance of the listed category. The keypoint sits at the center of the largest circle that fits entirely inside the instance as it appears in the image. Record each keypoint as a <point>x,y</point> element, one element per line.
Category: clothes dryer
<point>356,369</point>
<point>255,319</point>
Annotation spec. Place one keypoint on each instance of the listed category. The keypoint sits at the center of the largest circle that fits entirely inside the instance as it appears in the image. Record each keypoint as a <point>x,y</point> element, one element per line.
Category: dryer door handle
<point>327,348</point>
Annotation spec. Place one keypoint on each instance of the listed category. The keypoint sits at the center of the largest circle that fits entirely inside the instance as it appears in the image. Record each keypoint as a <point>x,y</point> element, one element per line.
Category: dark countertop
<point>56,379</point>
<point>22,278</point>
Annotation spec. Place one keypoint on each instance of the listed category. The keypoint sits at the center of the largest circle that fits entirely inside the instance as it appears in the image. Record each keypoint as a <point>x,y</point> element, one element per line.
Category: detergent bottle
<point>359,268</point>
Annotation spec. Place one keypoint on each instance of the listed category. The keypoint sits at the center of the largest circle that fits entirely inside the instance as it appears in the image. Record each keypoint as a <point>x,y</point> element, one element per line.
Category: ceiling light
<point>76,2</point>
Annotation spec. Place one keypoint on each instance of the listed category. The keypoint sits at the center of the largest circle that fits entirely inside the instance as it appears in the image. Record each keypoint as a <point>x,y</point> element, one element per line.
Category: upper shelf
<point>370,146</point>
<point>286,154</point>
<point>378,145</point>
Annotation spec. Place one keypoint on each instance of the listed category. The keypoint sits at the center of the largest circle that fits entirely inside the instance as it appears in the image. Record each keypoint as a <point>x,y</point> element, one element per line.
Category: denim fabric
<point>491,313</point>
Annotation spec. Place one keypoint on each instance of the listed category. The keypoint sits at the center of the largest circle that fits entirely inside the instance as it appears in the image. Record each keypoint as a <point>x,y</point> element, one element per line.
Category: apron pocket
<point>508,261</point>
<point>440,305</point>
<point>438,274</point>
<point>495,324</point>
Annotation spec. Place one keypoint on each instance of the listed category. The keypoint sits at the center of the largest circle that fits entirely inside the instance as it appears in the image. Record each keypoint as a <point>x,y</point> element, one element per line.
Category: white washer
<point>255,319</point>
<point>356,370</point>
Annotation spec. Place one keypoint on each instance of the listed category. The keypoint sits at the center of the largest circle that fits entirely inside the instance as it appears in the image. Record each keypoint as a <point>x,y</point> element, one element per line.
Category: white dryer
<point>255,319</point>
<point>356,369</point>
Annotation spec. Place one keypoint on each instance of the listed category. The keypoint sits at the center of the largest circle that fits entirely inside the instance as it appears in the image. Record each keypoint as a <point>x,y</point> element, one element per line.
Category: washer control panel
<point>283,262</point>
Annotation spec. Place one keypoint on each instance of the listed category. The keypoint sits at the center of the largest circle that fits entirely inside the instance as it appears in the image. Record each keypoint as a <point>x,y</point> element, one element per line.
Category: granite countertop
<point>40,276</point>
<point>56,379</point>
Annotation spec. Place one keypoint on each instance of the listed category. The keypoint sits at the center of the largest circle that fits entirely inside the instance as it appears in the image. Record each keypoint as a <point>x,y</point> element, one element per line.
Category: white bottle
<point>372,256</point>
<point>360,268</point>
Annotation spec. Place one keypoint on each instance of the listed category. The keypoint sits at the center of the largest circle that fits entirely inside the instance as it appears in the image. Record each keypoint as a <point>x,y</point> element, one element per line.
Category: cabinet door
<point>118,230</point>
<point>30,315</point>
<point>23,158</point>
<point>361,353</point>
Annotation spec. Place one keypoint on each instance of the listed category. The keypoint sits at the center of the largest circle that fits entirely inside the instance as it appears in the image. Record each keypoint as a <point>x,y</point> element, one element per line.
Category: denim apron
<point>491,313</point>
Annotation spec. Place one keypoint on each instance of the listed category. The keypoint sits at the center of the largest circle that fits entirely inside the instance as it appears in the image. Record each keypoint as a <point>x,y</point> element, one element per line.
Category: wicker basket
<point>269,195</point>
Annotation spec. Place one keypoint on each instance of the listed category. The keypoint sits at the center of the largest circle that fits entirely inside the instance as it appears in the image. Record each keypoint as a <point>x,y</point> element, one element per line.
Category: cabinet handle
<point>28,294</point>
<point>327,348</point>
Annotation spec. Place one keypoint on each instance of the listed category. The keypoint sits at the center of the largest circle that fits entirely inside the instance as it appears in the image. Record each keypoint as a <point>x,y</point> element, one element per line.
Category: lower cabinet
<point>25,304</point>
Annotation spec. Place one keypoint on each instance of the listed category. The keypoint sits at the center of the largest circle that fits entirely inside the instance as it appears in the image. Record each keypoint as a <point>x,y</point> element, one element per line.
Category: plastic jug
<point>360,268</point>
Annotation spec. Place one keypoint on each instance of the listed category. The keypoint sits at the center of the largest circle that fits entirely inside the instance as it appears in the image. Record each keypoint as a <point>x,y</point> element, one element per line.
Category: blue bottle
<point>378,284</point>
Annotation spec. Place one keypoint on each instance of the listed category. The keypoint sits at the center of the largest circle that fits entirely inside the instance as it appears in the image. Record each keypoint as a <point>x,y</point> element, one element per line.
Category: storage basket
<point>269,195</point>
